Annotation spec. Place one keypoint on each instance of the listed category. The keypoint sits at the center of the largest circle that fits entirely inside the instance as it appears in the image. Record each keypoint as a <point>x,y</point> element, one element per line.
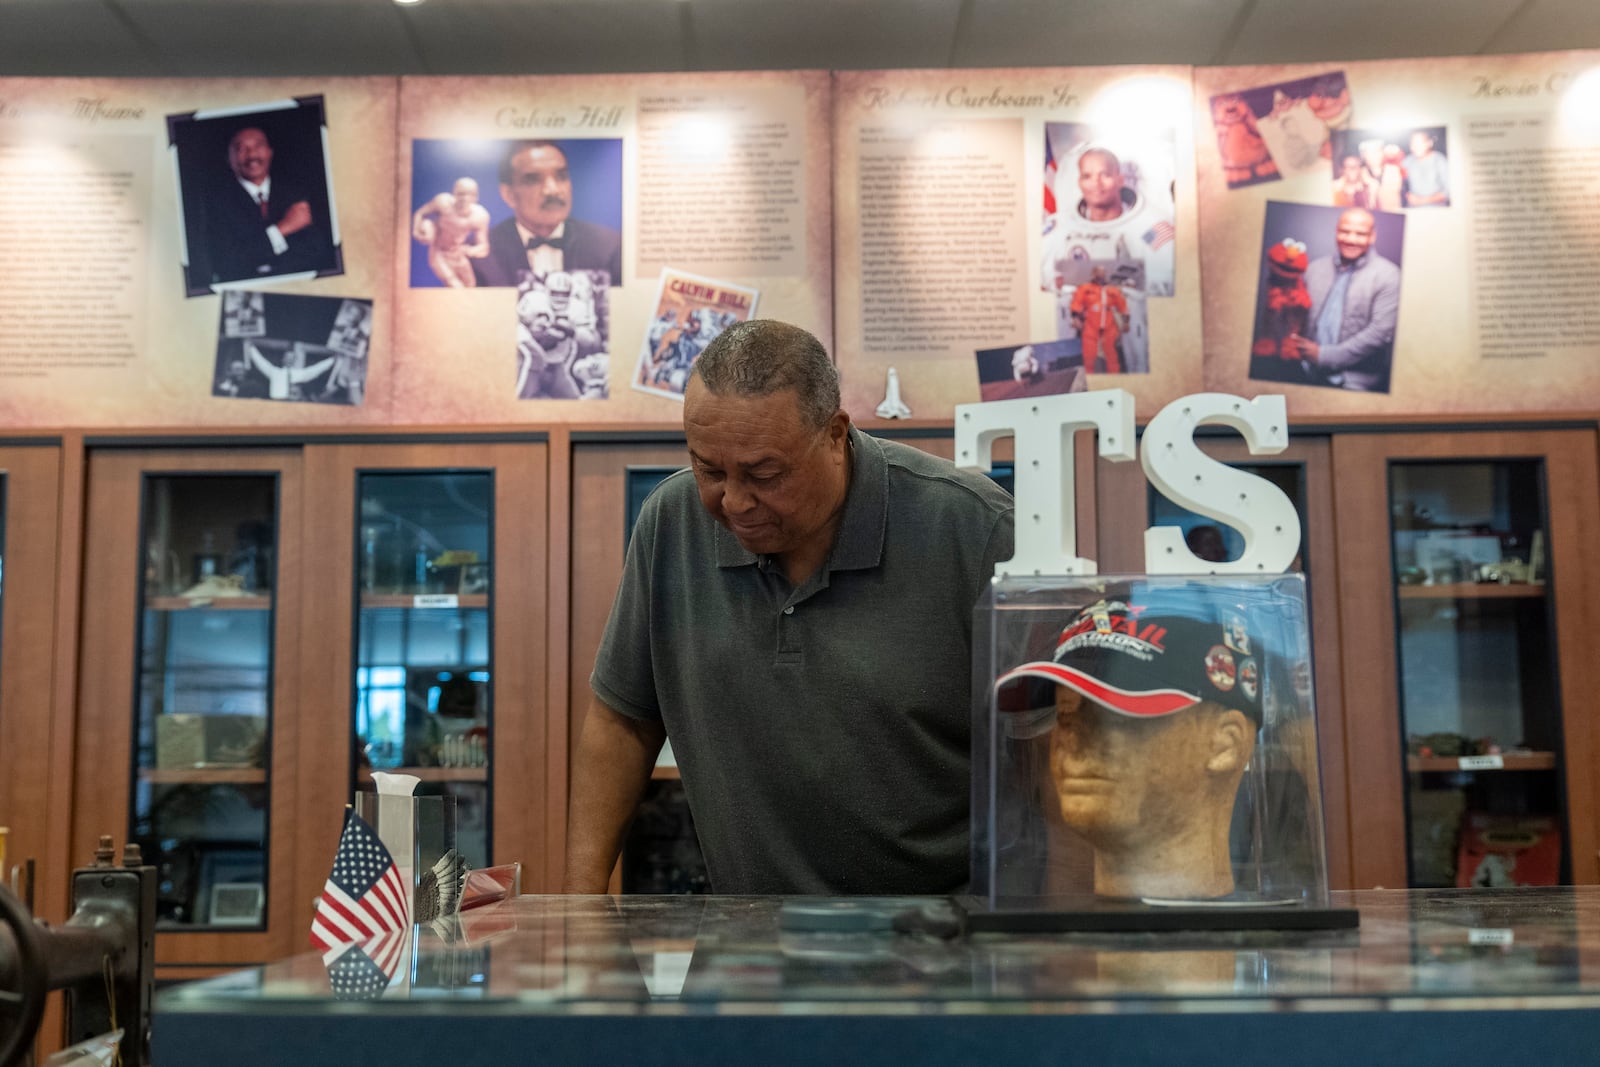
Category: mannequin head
<point>1153,797</point>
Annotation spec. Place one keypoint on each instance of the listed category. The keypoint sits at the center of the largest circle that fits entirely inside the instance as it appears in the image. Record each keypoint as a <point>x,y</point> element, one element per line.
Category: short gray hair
<point>765,356</point>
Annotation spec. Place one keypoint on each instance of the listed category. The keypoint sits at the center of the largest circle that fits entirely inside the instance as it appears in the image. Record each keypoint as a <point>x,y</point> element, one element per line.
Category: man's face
<point>1100,181</point>
<point>1421,144</point>
<point>1352,168</point>
<point>1098,276</point>
<point>773,481</point>
<point>540,193</point>
<point>250,155</point>
<point>466,194</point>
<point>1356,232</point>
<point>1120,778</point>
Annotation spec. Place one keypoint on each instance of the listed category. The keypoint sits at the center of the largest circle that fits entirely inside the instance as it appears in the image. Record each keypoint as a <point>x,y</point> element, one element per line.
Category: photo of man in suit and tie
<point>255,196</point>
<point>542,236</point>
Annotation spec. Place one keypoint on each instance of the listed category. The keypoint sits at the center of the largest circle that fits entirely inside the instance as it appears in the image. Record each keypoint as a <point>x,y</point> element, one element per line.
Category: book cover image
<point>690,311</point>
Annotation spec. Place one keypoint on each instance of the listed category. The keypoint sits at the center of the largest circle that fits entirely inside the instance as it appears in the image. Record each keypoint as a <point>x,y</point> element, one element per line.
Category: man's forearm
<point>609,772</point>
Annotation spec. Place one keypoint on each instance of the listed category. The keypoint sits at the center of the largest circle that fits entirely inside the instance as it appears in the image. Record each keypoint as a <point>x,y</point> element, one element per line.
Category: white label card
<point>1490,937</point>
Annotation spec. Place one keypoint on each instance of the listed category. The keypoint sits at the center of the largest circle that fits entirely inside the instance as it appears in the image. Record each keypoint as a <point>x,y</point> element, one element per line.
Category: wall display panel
<point>566,246</point>
<point>985,209</point>
<point>1402,237</point>
<point>195,252</point>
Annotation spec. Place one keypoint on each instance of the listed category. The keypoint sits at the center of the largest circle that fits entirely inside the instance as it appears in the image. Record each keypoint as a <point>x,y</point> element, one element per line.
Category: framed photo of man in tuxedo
<point>501,213</point>
<point>254,190</point>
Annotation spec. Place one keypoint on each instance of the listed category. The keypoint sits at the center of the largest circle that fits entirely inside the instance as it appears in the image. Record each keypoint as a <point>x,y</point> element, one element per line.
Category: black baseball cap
<point>1146,652</point>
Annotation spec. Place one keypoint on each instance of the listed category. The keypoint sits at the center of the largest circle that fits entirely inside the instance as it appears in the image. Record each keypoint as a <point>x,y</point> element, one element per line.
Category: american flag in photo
<point>1159,234</point>
<point>365,895</point>
<point>364,971</point>
<point>1049,178</point>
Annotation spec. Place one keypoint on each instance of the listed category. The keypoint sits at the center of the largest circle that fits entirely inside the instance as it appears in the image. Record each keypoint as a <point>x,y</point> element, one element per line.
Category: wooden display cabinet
<point>188,728</point>
<point>1469,606</point>
<point>425,643</point>
<point>610,478</point>
<point>30,532</point>
<point>244,649</point>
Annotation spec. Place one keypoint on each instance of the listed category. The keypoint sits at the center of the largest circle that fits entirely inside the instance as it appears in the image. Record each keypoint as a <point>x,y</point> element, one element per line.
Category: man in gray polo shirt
<point>796,615</point>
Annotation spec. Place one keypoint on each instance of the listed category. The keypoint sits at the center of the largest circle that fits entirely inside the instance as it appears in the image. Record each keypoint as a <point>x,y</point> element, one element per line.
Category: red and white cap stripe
<point>1145,705</point>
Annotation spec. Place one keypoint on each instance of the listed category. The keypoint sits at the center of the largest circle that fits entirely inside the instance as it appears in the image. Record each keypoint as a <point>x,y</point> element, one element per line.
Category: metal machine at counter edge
<point>103,956</point>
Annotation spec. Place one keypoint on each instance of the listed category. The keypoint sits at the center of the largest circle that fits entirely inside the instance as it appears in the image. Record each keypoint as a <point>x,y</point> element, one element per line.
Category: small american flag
<point>1160,234</point>
<point>365,895</point>
<point>364,971</point>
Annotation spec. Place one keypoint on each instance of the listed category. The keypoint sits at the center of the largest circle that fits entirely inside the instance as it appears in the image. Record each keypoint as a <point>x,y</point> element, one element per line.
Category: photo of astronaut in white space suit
<point>1109,203</point>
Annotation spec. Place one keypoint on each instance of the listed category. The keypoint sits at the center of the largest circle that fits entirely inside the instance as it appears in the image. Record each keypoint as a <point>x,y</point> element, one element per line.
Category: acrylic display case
<point>1145,756</point>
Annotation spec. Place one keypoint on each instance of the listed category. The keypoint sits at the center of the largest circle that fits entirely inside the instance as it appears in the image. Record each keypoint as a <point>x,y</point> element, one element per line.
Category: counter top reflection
<point>1461,972</point>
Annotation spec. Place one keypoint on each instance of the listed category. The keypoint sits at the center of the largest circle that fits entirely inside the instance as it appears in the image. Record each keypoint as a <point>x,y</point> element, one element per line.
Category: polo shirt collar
<point>859,542</point>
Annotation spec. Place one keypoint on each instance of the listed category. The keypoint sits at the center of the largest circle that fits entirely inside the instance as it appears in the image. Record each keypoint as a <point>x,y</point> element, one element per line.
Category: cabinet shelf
<point>1515,761</point>
<point>432,774</point>
<point>228,603</point>
<point>407,600</point>
<point>1471,591</point>
<point>204,775</point>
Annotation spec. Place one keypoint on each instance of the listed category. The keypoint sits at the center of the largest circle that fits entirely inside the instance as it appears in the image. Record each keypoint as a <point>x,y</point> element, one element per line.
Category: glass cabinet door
<point>200,788</point>
<point>423,673</point>
<point>1480,708</point>
<point>1468,578</point>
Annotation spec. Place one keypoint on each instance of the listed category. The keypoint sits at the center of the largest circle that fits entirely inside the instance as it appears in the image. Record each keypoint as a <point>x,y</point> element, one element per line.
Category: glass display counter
<point>1469,977</point>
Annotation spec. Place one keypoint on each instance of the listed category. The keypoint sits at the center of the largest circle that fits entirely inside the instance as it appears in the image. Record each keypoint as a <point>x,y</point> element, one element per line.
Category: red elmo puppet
<point>1287,306</point>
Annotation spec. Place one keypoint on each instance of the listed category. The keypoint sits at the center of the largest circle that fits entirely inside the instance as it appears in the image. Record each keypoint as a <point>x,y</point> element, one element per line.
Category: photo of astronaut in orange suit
<point>1100,312</point>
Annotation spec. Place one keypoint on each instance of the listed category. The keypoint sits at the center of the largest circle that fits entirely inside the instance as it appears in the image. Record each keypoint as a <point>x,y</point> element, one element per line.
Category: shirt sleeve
<point>624,669</point>
<point>1002,545</point>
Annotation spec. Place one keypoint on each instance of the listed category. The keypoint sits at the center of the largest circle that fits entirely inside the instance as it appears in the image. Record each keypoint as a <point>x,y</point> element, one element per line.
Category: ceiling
<point>184,38</point>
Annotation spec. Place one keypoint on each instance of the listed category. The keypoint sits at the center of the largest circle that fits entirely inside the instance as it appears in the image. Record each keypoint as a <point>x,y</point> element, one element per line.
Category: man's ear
<point>505,194</point>
<point>839,426</point>
<point>1233,739</point>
